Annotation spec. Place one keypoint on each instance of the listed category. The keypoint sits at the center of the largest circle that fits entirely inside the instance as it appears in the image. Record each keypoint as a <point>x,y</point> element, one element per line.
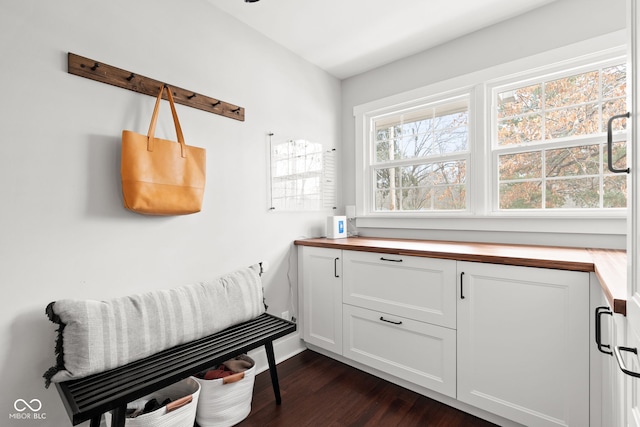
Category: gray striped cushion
<point>100,335</point>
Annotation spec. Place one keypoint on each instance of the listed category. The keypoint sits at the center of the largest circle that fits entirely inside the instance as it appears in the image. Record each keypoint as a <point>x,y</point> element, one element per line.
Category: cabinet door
<point>413,287</point>
<point>618,378</point>
<point>415,351</point>
<point>523,343</point>
<point>320,271</point>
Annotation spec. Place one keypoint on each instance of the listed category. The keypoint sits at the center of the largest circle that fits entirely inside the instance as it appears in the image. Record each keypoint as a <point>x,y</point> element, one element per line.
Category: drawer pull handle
<point>461,286</point>
<point>390,321</point>
<point>335,267</point>
<point>389,259</point>
<point>617,349</point>
<point>599,312</point>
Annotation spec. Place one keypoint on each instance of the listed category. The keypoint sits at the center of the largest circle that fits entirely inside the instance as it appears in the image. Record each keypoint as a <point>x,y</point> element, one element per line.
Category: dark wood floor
<point>319,391</point>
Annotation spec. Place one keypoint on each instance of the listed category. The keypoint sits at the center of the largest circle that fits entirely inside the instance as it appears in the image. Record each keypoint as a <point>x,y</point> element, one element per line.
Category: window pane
<point>424,132</point>
<point>519,101</point>
<point>388,178</point>
<point>387,184</point>
<point>614,81</point>
<point>572,121</point>
<point>520,129</point>
<point>615,191</point>
<point>384,142</point>
<point>573,161</point>
<point>414,199</point>
<point>612,108</point>
<point>384,201</point>
<point>572,90</point>
<point>521,195</point>
<point>451,133</point>
<point>422,187</point>
<point>434,174</point>
<point>573,193</point>
<point>520,166</point>
<point>450,197</point>
<point>418,143</point>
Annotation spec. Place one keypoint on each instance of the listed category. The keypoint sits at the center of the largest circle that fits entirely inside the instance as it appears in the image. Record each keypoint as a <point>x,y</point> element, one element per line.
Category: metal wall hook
<point>192,96</point>
<point>215,104</point>
<point>131,77</point>
<point>237,110</point>
<point>95,66</point>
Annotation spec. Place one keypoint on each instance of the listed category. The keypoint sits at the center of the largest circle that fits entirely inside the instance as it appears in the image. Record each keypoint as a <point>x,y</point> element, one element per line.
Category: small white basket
<point>225,402</point>
<point>180,412</point>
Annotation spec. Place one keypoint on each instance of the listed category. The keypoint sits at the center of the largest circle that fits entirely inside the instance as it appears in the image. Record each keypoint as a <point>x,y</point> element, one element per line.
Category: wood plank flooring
<point>321,392</point>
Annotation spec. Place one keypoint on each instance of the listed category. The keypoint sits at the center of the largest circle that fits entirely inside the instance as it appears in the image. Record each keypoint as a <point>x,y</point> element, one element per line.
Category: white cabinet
<point>413,287</point>
<point>523,343</point>
<point>320,296</point>
<point>512,341</point>
<point>631,362</point>
<point>399,317</point>
<point>418,352</point>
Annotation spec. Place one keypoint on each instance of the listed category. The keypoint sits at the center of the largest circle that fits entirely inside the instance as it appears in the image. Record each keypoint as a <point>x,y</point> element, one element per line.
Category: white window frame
<point>372,164</point>
<point>481,215</point>
<point>548,73</point>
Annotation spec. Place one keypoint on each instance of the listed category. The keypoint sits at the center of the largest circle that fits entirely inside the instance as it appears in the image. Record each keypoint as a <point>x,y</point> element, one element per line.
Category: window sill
<point>529,224</point>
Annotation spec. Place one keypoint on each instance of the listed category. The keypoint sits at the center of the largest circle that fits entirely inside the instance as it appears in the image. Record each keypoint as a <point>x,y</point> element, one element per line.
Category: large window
<point>529,143</point>
<point>549,145</point>
<point>420,157</point>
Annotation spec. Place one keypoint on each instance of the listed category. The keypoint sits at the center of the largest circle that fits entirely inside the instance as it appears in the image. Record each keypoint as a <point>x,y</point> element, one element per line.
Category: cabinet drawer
<point>414,351</point>
<point>417,288</point>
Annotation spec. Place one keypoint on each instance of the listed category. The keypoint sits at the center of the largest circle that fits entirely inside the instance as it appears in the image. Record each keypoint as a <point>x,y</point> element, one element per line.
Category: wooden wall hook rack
<point>94,70</point>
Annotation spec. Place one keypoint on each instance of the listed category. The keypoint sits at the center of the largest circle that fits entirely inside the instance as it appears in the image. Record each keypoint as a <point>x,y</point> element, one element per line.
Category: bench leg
<point>95,421</point>
<point>272,370</point>
<point>118,416</point>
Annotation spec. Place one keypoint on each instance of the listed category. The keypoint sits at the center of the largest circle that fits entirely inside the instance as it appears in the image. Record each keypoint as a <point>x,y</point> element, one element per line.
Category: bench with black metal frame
<point>90,397</point>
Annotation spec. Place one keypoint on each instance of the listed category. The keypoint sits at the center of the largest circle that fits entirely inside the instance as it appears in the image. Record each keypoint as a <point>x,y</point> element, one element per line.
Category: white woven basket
<point>183,416</point>
<point>226,401</point>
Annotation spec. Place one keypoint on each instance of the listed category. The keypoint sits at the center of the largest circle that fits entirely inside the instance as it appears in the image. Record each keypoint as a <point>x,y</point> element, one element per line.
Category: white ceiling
<point>348,37</point>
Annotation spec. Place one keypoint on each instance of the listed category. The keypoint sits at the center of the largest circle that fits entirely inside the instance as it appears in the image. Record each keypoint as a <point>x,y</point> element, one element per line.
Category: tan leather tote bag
<point>162,177</point>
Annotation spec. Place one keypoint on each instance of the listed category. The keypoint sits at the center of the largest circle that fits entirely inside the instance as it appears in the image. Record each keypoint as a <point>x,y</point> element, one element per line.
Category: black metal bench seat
<point>90,397</point>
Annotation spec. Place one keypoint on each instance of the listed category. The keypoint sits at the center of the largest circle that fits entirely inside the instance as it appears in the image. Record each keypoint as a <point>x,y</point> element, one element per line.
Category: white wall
<point>556,25</point>
<point>63,230</point>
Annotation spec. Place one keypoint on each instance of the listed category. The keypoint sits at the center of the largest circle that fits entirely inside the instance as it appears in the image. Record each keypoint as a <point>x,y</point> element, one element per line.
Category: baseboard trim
<point>283,348</point>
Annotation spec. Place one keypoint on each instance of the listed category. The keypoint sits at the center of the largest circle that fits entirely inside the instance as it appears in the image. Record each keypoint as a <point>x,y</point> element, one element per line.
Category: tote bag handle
<point>154,120</point>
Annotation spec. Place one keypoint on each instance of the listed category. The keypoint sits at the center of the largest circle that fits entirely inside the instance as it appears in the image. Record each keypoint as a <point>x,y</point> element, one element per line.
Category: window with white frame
<point>420,156</point>
<point>526,143</point>
<point>549,145</point>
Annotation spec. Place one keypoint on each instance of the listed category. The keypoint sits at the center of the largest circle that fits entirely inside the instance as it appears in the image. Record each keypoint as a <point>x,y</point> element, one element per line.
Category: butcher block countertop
<point>610,266</point>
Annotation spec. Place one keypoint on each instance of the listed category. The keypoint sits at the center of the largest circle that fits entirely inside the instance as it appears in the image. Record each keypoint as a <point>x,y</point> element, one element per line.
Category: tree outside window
<point>550,144</point>
<point>421,158</point>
